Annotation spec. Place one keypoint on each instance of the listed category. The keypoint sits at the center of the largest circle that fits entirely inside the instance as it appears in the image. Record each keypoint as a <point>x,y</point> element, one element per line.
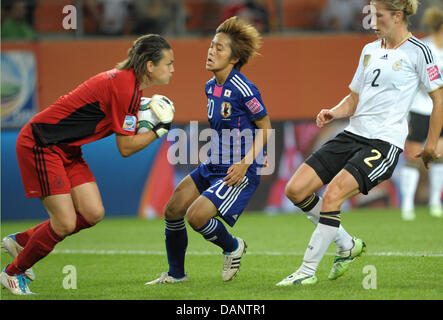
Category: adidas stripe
<point>229,201</point>
<point>241,86</point>
<point>424,48</point>
<point>385,164</point>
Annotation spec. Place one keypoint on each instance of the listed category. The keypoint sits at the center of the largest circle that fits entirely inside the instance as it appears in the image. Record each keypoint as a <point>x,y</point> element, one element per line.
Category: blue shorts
<point>230,201</point>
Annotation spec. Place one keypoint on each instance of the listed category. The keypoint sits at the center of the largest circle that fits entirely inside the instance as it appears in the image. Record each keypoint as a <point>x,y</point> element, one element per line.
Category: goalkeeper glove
<point>162,128</point>
<point>164,110</point>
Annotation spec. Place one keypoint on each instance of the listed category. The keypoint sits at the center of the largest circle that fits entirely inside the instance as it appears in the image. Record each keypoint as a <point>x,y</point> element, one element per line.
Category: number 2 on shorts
<point>373,158</point>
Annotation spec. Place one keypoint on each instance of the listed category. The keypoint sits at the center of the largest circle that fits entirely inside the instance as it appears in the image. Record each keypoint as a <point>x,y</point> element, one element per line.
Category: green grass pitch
<point>113,260</point>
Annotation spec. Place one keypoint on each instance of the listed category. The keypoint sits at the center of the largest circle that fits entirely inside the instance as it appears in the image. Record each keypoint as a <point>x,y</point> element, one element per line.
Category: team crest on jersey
<point>397,65</point>
<point>227,93</point>
<point>58,182</point>
<point>129,123</point>
<point>226,109</point>
<point>366,60</point>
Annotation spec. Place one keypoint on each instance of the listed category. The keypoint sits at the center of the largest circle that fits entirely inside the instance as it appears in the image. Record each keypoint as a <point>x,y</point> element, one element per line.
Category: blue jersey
<point>232,110</point>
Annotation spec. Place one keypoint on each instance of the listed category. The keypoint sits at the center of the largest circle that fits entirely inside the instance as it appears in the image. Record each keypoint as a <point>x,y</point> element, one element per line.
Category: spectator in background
<point>17,20</point>
<point>112,17</point>
<point>417,22</point>
<point>343,15</point>
<point>252,11</point>
<point>154,16</point>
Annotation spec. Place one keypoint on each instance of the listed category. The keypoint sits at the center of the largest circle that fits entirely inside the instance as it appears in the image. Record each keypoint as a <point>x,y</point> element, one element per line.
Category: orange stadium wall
<point>297,76</point>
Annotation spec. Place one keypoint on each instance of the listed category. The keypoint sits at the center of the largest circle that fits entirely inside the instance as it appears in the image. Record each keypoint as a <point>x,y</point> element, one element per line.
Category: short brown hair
<point>245,39</point>
<point>146,48</point>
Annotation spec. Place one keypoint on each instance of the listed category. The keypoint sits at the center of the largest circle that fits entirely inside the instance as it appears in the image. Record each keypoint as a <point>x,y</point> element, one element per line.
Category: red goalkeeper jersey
<point>105,104</point>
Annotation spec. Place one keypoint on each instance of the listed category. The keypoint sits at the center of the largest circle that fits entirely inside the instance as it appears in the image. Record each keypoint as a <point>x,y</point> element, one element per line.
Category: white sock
<point>343,240</point>
<point>408,185</point>
<point>321,238</point>
<point>435,183</point>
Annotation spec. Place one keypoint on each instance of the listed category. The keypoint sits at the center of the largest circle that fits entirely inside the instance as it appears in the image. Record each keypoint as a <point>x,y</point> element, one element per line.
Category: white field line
<point>256,253</point>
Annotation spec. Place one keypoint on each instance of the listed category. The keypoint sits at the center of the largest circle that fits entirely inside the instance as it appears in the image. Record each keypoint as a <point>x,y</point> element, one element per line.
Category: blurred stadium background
<point>309,54</point>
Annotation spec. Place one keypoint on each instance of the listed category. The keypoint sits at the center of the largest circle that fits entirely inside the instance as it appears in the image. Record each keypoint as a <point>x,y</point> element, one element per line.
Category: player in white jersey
<point>418,126</point>
<point>388,76</point>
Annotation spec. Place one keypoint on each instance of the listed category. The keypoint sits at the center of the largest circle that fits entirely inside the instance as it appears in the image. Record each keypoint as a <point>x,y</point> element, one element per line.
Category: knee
<point>63,228</point>
<point>94,215</point>
<point>295,193</point>
<point>173,211</point>
<point>195,220</point>
<point>331,197</point>
<point>98,216</point>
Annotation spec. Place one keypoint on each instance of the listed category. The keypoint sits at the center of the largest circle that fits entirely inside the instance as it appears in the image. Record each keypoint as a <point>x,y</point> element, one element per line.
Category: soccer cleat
<point>231,261</point>
<point>436,211</point>
<point>17,284</point>
<point>298,278</point>
<point>345,258</point>
<point>12,247</point>
<point>166,278</point>
<point>408,215</point>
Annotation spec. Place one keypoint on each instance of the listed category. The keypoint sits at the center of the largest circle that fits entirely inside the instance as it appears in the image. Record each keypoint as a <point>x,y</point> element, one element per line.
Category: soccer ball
<point>146,117</point>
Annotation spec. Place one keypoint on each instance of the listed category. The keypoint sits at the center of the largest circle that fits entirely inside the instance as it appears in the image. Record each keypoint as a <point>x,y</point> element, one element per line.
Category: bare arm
<point>238,170</point>
<point>429,154</point>
<point>344,109</point>
<point>128,145</point>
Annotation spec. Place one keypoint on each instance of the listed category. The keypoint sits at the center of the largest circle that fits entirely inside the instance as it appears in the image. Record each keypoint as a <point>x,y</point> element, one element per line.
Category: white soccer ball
<point>146,117</point>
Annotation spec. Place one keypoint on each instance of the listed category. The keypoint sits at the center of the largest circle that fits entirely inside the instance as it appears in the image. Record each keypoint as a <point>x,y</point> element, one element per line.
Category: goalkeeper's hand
<point>162,128</point>
<point>164,110</point>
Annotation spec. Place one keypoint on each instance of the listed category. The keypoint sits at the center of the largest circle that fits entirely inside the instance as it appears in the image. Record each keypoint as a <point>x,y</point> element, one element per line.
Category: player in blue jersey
<point>221,187</point>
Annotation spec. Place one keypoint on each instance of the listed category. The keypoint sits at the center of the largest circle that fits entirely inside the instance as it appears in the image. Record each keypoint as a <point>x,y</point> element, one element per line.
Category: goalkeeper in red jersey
<point>50,156</point>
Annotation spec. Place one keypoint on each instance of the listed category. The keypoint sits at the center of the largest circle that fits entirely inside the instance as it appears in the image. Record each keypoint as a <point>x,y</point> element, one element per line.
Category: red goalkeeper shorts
<point>50,170</point>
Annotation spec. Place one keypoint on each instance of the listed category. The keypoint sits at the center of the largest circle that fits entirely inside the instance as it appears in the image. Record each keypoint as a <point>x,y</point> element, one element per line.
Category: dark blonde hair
<point>408,7</point>
<point>146,48</point>
<point>433,18</point>
<point>245,39</point>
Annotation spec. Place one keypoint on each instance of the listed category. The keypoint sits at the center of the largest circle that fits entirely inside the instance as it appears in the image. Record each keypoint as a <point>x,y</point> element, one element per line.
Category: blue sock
<point>176,239</point>
<point>216,232</point>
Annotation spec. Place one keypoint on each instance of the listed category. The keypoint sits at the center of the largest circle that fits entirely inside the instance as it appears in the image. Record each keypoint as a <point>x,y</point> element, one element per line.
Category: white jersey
<point>423,103</point>
<point>387,81</point>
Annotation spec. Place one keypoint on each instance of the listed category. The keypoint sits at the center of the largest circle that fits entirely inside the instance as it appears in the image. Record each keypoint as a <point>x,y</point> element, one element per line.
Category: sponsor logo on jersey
<point>226,109</point>
<point>129,123</point>
<point>434,73</point>
<point>210,90</point>
<point>254,105</point>
<point>385,57</point>
<point>366,60</point>
<point>227,93</point>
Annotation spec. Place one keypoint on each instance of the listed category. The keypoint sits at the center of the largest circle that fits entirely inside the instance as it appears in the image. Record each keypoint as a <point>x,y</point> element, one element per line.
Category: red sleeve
<point>125,101</point>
